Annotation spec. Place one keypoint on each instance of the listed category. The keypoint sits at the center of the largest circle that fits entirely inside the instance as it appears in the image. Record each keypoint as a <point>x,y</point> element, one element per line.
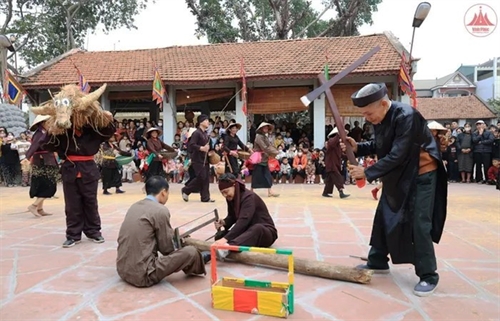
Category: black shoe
<point>119,191</point>
<point>98,239</point>
<point>206,256</point>
<point>70,243</point>
<point>342,195</point>
<point>375,270</point>
<point>209,201</point>
<point>106,192</point>
<point>326,195</point>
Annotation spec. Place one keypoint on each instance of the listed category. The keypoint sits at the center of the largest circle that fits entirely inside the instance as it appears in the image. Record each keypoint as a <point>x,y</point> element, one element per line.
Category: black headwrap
<point>363,101</point>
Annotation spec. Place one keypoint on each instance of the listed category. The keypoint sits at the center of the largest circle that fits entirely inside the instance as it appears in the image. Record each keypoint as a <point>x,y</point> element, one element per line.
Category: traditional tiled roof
<point>285,59</point>
<point>464,107</point>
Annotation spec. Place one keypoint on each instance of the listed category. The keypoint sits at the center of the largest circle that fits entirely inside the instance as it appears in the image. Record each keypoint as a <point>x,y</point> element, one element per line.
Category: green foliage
<point>47,28</point>
<point>495,105</point>
<point>253,20</point>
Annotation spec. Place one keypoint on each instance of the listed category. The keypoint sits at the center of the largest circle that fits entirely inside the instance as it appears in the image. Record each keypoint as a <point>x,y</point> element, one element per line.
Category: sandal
<point>273,195</point>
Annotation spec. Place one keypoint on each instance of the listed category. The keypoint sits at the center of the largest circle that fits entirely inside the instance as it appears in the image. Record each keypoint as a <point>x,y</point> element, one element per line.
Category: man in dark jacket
<point>483,140</point>
<point>412,209</point>
<point>198,148</point>
<point>248,222</point>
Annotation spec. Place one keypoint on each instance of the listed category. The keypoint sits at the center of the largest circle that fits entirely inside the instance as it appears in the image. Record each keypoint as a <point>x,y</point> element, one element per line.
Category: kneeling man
<point>248,222</point>
<point>146,231</point>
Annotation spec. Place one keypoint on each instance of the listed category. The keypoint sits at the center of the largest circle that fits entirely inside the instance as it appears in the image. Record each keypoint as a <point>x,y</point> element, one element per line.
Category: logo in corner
<point>480,20</point>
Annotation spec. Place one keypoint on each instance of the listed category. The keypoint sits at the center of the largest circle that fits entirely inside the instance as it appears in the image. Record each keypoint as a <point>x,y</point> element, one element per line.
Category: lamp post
<point>421,13</point>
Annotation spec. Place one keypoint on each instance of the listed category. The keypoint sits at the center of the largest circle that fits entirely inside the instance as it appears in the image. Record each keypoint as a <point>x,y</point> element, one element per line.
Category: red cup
<point>361,182</point>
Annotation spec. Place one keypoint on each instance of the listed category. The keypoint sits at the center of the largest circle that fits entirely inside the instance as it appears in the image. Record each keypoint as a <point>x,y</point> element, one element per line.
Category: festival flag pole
<point>13,91</point>
<point>405,82</point>
<point>82,81</point>
<point>243,87</point>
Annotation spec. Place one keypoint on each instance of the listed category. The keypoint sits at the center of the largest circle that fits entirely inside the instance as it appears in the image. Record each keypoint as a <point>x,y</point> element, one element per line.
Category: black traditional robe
<point>231,143</point>
<point>249,220</point>
<point>399,139</point>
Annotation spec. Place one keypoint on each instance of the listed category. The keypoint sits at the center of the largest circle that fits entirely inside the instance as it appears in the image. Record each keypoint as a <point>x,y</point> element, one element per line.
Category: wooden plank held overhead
<point>342,95</point>
<point>184,97</point>
<point>276,100</point>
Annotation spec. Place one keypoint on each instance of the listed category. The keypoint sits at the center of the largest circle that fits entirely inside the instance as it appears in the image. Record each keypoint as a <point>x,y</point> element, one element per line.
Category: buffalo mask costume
<point>72,108</point>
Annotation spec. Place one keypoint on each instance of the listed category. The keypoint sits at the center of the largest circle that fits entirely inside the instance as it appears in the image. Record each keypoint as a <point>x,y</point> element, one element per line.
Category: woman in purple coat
<point>44,167</point>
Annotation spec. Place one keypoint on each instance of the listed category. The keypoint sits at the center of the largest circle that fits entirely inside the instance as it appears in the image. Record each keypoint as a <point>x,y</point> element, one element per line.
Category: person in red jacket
<point>493,173</point>
<point>299,164</point>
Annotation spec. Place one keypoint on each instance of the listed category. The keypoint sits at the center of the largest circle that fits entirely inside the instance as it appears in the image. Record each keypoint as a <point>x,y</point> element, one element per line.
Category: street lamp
<point>421,13</point>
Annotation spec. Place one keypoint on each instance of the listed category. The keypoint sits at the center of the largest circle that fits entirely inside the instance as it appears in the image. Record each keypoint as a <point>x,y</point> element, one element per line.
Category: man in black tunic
<point>80,177</point>
<point>198,148</point>
<point>412,209</point>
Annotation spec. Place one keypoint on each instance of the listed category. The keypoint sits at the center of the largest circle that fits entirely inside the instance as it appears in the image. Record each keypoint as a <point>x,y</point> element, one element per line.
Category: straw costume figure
<point>79,126</point>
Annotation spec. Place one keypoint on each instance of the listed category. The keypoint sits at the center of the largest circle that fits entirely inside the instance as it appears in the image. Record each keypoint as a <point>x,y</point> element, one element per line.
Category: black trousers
<point>200,183</point>
<point>482,160</point>
<point>333,178</point>
<point>425,258</point>
<point>453,171</point>
<point>82,214</point>
<point>301,173</point>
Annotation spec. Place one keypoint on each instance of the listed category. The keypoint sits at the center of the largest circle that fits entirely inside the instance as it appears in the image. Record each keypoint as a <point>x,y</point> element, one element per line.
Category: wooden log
<point>302,266</point>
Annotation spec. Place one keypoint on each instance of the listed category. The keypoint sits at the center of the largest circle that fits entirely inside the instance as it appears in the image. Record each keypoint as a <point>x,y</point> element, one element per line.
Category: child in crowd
<point>310,171</point>
<point>285,170</point>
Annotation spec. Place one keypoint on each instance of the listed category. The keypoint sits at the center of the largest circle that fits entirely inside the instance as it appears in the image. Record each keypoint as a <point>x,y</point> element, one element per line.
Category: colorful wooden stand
<point>252,296</point>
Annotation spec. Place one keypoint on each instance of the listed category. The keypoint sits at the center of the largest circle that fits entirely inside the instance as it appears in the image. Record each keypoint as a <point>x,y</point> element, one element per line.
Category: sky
<point>442,42</point>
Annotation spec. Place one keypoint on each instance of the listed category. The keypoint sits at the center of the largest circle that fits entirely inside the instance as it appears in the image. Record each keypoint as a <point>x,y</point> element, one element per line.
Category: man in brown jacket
<point>146,231</point>
<point>333,166</point>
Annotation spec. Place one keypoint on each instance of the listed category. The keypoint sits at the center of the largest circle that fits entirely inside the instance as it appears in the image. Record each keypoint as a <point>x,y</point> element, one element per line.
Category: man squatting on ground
<point>248,222</point>
<point>145,231</point>
<point>412,209</point>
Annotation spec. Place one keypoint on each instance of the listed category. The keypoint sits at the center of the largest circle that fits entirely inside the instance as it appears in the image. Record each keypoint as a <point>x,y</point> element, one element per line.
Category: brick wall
<point>276,100</point>
<point>287,99</point>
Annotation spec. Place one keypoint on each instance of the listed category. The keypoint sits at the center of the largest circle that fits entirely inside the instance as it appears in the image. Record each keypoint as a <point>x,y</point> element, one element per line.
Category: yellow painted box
<point>253,296</point>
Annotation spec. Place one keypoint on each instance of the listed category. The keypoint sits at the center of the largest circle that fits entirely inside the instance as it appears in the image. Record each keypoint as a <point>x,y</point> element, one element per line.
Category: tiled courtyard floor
<point>42,281</point>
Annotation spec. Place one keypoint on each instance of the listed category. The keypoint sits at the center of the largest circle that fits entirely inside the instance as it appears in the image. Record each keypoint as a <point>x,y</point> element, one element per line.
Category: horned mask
<point>72,108</point>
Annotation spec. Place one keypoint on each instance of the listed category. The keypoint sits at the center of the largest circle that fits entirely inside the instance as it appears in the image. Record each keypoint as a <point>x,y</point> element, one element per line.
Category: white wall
<point>485,88</point>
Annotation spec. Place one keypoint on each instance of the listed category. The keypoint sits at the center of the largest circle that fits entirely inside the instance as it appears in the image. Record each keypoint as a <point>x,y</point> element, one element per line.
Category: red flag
<point>243,88</point>
<point>405,81</point>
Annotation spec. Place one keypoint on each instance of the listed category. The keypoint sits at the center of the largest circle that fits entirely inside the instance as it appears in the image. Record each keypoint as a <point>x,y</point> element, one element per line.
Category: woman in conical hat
<point>230,147</point>
<point>44,168</point>
<point>440,134</point>
<point>155,146</point>
<point>261,175</point>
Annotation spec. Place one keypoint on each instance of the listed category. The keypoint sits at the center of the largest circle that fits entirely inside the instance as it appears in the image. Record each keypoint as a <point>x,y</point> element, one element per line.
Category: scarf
<point>239,186</point>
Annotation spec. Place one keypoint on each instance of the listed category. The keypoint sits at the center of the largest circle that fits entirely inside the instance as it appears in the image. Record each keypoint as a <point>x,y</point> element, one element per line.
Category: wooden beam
<point>302,266</point>
<point>196,96</point>
<point>130,95</point>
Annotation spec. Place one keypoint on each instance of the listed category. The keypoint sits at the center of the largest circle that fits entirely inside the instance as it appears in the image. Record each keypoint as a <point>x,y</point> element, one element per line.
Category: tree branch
<point>303,31</point>
<point>8,18</point>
